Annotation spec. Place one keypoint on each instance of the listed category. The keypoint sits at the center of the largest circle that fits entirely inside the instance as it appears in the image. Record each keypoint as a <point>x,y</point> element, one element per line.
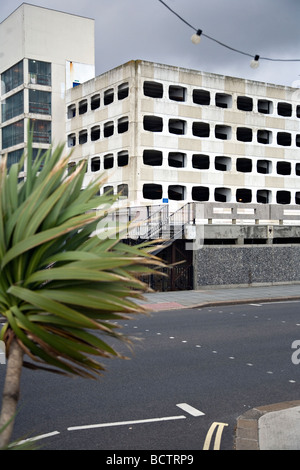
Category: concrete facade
<point>188,135</point>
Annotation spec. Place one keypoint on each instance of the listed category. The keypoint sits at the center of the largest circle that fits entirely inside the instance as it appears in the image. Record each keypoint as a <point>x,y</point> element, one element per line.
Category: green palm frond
<point>62,289</point>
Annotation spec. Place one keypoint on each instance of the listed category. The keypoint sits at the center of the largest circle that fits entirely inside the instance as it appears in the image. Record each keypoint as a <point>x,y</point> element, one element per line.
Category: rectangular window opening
<point>108,130</point>
<point>153,123</point>
<point>223,163</point>
<point>284,138</point>
<point>264,166</point>
<point>39,102</point>
<point>71,140</point>
<point>82,107</point>
<point>263,196</point>
<point>153,89</point>
<point>123,125</point>
<point>177,126</point>
<point>176,192</point>
<point>12,78</point>
<point>108,161</point>
<point>152,191</point>
<point>283,168</point>
<point>200,129</point>
<point>152,157</point>
<point>244,165</point>
<point>71,111</point>
<point>71,167</point>
<point>264,136</point>
<point>222,194</point>
<point>201,97</point>
<point>83,137</point>
<point>123,91</point>
<point>244,103</point>
<point>223,100</point>
<point>200,193</point>
<point>95,102</point>
<point>95,164</point>
<point>177,159</point>
<point>284,109</point>
<point>265,106</point>
<point>123,158</point>
<point>244,134</point>
<point>122,190</point>
<point>223,132</point>
<point>283,197</point>
<point>177,93</point>
<point>243,195</point>
<point>95,133</point>
<point>12,106</point>
<point>108,96</point>
<point>39,72</point>
<point>201,162</point>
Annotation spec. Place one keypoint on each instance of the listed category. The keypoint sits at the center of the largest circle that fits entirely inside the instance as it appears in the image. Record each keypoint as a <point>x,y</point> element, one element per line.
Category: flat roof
<point>45,8</point>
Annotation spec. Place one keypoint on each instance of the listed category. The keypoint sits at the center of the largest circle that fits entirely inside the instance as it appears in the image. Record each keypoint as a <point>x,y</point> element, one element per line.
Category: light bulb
<point>255,62</point>
<point>196,38</point>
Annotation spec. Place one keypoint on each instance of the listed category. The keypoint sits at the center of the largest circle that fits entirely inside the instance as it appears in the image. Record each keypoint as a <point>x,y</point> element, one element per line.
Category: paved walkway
<point>194,298</point>
<point>269,427</point>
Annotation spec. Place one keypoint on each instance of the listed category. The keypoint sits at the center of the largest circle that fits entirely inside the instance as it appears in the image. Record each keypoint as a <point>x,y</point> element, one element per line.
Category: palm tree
<point>62,288</point>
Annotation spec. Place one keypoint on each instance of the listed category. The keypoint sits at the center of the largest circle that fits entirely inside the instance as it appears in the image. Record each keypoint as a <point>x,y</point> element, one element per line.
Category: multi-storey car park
<point>165,133</point>
<point>211,162</point>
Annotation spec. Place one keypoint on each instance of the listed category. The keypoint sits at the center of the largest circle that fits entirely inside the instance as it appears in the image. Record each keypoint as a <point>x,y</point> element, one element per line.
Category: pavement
<point>267,427</point>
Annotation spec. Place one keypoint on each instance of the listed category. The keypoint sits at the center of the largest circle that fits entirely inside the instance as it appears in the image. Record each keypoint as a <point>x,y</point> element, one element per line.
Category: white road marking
<point>190,409</point>
<point>256,305</point>
<point>125,423</point>
<point>42,436</point>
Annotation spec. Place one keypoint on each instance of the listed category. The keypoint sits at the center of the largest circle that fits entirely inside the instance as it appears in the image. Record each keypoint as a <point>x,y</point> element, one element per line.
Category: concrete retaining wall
<point>246,265</point>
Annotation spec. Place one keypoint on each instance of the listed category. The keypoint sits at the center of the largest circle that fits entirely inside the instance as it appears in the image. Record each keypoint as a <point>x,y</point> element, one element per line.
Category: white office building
<point>42,53</point>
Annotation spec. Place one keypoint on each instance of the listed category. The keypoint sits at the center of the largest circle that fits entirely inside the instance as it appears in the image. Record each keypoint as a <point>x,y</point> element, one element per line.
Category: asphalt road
<point>192,373</point>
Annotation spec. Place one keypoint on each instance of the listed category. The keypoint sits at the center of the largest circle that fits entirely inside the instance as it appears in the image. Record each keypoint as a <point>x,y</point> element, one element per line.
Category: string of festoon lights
<point>198,33</point>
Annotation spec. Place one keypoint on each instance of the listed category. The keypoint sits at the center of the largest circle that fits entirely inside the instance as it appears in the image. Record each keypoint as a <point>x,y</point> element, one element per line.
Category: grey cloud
<point>145,29</point>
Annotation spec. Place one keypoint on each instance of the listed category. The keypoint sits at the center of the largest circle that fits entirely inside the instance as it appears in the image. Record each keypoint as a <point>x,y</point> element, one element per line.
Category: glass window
<point>13,106</point>
<point>42,131</point>
<point>14,157</point>
<point>13,134</point>
<point>12,77</point>
<point>39,102</point>
<point>39,72</point>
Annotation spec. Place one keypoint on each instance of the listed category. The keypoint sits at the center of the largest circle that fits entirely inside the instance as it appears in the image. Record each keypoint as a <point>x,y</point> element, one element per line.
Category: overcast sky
<point>147,30</point>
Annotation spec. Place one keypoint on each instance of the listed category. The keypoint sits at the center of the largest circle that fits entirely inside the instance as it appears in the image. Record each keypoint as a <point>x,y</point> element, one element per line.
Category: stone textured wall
<point>244,265</point>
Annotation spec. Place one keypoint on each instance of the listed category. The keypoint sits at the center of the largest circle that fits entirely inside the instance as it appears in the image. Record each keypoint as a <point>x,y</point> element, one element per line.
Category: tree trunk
<point>11,392</point>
